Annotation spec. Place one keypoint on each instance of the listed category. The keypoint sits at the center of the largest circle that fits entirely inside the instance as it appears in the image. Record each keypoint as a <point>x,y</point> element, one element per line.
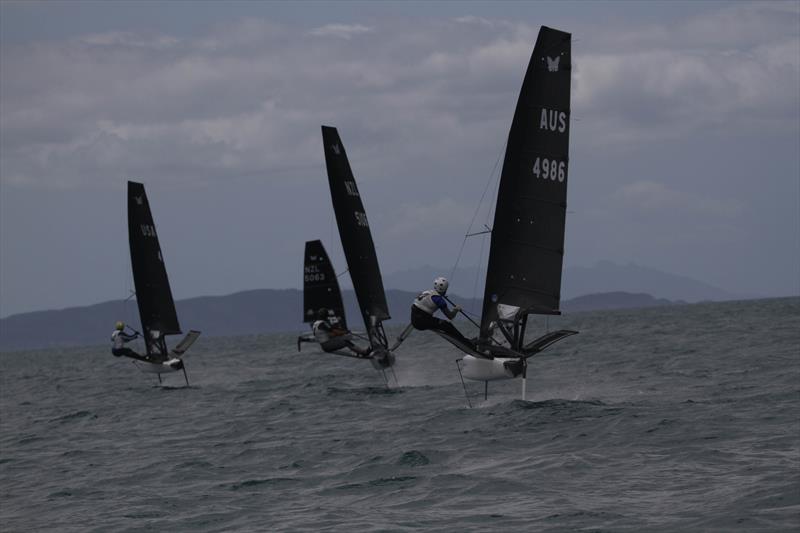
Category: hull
<point>380,358</point>
<point>171,365</point>
<point>480,369</point>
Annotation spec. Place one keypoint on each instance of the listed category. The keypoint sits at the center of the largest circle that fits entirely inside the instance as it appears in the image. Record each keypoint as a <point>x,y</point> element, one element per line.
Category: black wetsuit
<point>422,321</point>
<point>338,342</point>
<point>119,352</point>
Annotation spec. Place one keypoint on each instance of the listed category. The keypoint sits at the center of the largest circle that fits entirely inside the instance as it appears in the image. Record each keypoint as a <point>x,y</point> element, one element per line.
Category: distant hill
<point>603,277</point>
<point>614,300</point>
<point>248,312</point>
<point>606,276</point>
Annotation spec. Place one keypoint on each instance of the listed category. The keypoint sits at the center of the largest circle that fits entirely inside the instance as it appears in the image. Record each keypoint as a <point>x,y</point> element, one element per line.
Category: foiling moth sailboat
<point>359,249</point>
<point>153,294</point>
<point>320,291</point>
<point>527,238</point>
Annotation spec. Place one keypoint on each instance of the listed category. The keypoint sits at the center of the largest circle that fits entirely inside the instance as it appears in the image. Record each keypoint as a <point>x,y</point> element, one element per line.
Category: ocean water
<point>667,419</point>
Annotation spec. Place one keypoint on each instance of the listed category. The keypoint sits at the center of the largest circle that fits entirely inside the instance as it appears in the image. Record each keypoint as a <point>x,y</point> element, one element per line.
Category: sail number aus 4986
<point>550,169</point>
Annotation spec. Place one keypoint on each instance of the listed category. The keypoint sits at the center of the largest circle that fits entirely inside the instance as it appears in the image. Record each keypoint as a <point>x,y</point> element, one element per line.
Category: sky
<point>684,141</point>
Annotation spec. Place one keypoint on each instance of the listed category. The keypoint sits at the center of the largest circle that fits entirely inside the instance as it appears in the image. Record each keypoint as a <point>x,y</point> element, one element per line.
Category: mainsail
<point>527,245</point>
<point>359,250</point>
<point>153,295</point>
<point>320,287</point>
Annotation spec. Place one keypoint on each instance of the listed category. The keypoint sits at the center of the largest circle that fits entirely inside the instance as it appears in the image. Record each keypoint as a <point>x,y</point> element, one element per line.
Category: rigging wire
<point>489,216</point>
<point>477,210</point>
<point>477,275</point>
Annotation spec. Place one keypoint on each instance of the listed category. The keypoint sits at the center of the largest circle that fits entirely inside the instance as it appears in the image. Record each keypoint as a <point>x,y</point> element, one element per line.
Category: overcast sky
<point>684,156</point>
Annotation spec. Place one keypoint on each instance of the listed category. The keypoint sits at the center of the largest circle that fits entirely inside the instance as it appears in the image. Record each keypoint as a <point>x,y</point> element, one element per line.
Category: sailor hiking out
<point>332,338</point>
<point>427,303</point>
<point>118,340</point>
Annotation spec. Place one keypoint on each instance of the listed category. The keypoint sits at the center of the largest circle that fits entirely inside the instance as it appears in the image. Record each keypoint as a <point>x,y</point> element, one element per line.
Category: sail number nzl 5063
<point>312,273</point>
<point>551,169</point>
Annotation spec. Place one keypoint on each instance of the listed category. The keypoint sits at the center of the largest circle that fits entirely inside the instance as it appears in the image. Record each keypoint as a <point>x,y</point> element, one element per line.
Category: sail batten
<point>351,219</point>
<point>153,293</point>
<point>543,201</point>
<point>527,243</point>
<point>558,251</point>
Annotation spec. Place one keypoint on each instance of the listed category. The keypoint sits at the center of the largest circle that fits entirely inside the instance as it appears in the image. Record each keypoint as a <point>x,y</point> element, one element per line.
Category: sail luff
<point>527,243</point>
<point>153,293</point>
<point>351,218</point>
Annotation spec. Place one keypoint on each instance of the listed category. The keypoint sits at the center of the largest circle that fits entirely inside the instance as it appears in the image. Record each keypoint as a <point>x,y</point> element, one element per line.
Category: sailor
<point>332,337</point>
<point>118,340</point>
<point>427,303</point>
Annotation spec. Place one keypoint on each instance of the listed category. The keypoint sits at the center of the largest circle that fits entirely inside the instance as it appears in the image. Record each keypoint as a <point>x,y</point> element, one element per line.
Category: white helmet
<point>440,285</point>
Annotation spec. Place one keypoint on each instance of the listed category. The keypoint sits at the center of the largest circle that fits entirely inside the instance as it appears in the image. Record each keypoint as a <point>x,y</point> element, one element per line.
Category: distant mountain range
<point>603,277</point>
<point>614,300</point>
<point>242,313</point>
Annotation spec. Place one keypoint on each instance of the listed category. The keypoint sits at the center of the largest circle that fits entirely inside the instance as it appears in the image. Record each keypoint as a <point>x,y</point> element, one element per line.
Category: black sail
<point>359,250</point>
<point>320,286</point>
<point>153,295</point>
<point>527,247</point>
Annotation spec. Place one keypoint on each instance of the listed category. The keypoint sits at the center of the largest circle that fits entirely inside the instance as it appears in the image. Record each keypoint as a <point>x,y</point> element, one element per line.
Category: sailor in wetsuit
<point>332,338</point>
<point>118,340</point>
<point>427,303</point>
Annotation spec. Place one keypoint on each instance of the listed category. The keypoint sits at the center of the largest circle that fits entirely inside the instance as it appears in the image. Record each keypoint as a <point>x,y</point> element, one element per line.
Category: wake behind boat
<point>153,293</point>
<point>527,238</point>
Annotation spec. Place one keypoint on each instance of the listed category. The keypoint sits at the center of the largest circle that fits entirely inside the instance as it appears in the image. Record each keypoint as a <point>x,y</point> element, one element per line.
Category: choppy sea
<point>679,418</point>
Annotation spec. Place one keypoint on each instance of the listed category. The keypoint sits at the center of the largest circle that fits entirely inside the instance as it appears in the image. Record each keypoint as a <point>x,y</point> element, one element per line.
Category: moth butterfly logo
<point>336,149</point>
<point>552,64</point>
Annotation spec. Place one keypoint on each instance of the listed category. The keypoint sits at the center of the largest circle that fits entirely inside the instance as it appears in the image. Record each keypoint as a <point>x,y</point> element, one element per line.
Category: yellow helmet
<point>120,326</point>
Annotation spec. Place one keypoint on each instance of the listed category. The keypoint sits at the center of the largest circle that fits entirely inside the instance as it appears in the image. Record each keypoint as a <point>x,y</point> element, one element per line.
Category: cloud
<point>473,20</point>
<point>129,39</point>
<point>737,67</point>
<point>340,31</point>
<point>653,198</point>
<point>442,216</point>
<point>247,98</point>
<point>667,93</point>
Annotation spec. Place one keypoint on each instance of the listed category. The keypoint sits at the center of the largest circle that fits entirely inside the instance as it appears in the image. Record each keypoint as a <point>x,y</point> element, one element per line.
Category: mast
<point>527,245</point>
<point>153,294</point>
<point>320,286</point>
<point>359,249</point>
